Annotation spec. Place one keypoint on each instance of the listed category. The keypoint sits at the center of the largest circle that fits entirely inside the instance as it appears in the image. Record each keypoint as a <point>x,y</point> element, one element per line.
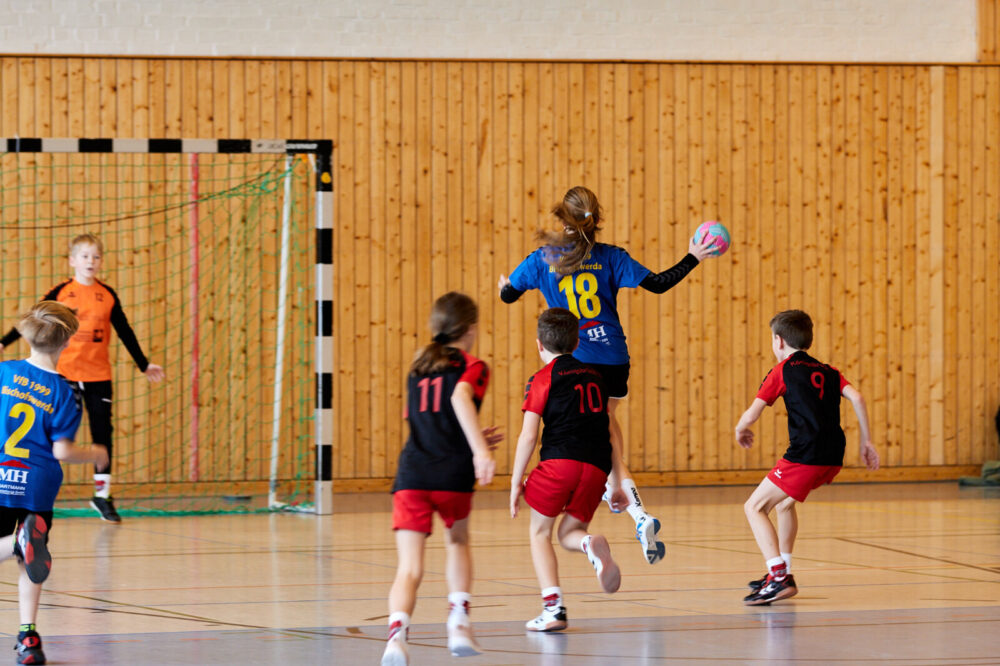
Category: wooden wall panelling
<point>854,191</point>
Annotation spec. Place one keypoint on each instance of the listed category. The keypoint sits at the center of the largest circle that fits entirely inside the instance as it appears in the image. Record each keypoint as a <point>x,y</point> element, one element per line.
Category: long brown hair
<point>451,317</point>
<point>581,214</point>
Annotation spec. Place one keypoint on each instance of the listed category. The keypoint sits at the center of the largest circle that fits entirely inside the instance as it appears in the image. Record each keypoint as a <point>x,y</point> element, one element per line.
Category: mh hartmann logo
<point>13,475</point>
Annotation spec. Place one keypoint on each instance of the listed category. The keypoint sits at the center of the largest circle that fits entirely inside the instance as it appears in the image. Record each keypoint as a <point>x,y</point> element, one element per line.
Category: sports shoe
<point>757,584</point>
<point>395,653</point>
<point>29,648</point>
<point>645,532</point>
<point>460,640</point>
<point>106,507</point>
<point>608,573</point>
<point>553,618</point>
<point>30,546</point>
<point>772,590</point>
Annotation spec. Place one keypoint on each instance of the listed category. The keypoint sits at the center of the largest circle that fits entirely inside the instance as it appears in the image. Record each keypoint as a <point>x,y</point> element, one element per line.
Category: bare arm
<point>868,453</point>
<point>468,418</point>
<point>64,450</point>
<point>744,435</point>
<point>525,446</point>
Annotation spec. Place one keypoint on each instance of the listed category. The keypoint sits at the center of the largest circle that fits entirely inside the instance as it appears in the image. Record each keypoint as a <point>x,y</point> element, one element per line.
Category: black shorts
<point>11,517</point>
<point>616,378</point>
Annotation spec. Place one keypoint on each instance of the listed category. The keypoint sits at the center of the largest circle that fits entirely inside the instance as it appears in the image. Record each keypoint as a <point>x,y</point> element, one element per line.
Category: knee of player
<point>752,506</point>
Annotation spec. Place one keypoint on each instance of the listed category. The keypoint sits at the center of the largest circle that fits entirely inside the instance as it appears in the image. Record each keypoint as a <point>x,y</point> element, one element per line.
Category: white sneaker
<point>645,532</point>
<point>460,640</point>
<point>608,573</point>
<point>553,618</point>
<point>396,653</point>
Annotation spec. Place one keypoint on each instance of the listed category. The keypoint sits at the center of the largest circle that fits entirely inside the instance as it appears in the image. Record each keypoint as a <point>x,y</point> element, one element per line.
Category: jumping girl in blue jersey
<point>574,271</point>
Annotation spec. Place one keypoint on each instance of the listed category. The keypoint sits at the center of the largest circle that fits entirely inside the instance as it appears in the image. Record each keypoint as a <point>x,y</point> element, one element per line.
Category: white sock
<point>404,620</point>
<point>585,544</point>
<point>787,557</point>
<point>552,596</point>
<point>635,507</point>
<point>102,485</point>
<point>458,613</point>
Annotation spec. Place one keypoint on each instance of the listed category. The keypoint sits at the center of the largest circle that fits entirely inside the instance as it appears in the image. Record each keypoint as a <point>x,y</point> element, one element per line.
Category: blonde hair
<point>451,317</point>
<point>48,326</point>
<point>86,239</point>
<point>581,214</point>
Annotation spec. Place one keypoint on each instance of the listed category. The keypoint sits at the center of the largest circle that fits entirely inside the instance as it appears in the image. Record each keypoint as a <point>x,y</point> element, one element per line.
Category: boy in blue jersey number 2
<point>40,412</point>
<point>575,272</point>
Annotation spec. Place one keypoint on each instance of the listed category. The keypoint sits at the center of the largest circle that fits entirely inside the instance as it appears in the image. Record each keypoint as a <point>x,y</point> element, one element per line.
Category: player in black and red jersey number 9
<point>812,392</point>
<point>446,453</point>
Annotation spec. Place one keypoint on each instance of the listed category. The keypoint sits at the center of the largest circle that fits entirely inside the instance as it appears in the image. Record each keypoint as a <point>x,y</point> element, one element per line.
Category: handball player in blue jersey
<point>40,413</point>
<point>574,271</point>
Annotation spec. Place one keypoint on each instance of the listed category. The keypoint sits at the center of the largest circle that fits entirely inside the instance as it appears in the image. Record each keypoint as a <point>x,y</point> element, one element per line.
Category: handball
<point>715,231</point>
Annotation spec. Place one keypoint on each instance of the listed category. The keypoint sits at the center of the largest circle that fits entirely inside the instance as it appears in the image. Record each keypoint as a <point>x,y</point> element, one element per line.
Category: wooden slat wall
<point>864,194</point>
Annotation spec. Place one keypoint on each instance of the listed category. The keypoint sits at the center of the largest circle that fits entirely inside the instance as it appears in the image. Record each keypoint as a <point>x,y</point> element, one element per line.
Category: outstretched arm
<point>697,252</point>
<point>868,453</point>
<point>508,294</point>
<point>744,435</point>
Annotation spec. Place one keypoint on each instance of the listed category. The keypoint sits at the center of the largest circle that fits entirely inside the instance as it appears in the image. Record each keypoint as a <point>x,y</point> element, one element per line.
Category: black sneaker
<point>30,546</point>
<point>29,648</point>
<point>106,507</point>
<point>757,584</point>
<point>772,590</point>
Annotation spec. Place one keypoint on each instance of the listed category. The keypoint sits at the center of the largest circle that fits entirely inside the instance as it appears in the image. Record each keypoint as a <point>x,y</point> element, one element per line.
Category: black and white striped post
<point>323,152</point>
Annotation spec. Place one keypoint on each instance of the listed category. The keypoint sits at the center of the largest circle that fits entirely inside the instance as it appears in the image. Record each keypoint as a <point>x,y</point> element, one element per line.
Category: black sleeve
<point>127,335</point>
<point>660,282</point>
<point>13,335</point>
<point>509,294</point>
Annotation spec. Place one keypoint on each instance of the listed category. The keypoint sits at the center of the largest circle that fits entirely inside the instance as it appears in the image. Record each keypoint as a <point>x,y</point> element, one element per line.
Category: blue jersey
<point>591,293</point>
<point>37,407</point>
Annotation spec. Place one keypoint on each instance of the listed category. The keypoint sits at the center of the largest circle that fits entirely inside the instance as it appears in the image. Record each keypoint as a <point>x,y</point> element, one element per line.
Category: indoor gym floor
<point>888,574</point>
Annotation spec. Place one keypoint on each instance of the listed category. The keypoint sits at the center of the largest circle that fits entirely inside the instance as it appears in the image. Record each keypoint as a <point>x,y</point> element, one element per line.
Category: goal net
<point>210,248</point>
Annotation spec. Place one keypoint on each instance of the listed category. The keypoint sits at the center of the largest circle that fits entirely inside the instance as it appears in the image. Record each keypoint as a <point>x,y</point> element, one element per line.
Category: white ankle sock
<point>404,620</point>
<point>102,485</point>
<point>787,557</point>
<point>635,507</point>
<point>552,596</point>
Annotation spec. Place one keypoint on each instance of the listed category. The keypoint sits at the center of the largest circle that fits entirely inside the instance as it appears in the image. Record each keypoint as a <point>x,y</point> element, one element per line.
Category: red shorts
<point>798,480</point>
<point>559,485</point>
<point>414,509</point>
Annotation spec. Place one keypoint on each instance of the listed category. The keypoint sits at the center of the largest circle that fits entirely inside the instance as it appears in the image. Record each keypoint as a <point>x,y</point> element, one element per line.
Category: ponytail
<point>581,214</point>
<point>451,317</point>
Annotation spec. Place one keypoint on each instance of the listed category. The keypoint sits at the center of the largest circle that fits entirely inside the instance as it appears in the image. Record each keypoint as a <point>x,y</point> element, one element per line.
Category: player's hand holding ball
<point>711,239</point>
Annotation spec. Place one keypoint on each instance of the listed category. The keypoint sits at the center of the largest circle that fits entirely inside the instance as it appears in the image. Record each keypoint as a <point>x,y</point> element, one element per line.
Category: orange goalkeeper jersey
<point>97,307</point>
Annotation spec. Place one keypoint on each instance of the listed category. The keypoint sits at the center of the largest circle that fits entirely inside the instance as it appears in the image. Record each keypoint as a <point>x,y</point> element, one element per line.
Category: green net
<point>194,252</point>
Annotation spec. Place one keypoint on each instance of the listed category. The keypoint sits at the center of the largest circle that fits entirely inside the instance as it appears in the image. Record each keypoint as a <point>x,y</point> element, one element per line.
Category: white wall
<point>747,30</point>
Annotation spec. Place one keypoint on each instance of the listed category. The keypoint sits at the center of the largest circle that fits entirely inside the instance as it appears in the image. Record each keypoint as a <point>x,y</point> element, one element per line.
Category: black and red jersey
<point>572,399</point>
<point>437,454</point>
<point>812,391</point>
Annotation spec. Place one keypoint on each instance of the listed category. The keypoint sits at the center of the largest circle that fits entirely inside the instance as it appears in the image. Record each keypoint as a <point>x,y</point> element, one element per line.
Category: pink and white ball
<point>715,231</point>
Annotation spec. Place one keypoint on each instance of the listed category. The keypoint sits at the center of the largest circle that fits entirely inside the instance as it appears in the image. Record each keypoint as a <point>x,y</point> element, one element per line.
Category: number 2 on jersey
<point>11,447</point>
<point>587,305</point>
